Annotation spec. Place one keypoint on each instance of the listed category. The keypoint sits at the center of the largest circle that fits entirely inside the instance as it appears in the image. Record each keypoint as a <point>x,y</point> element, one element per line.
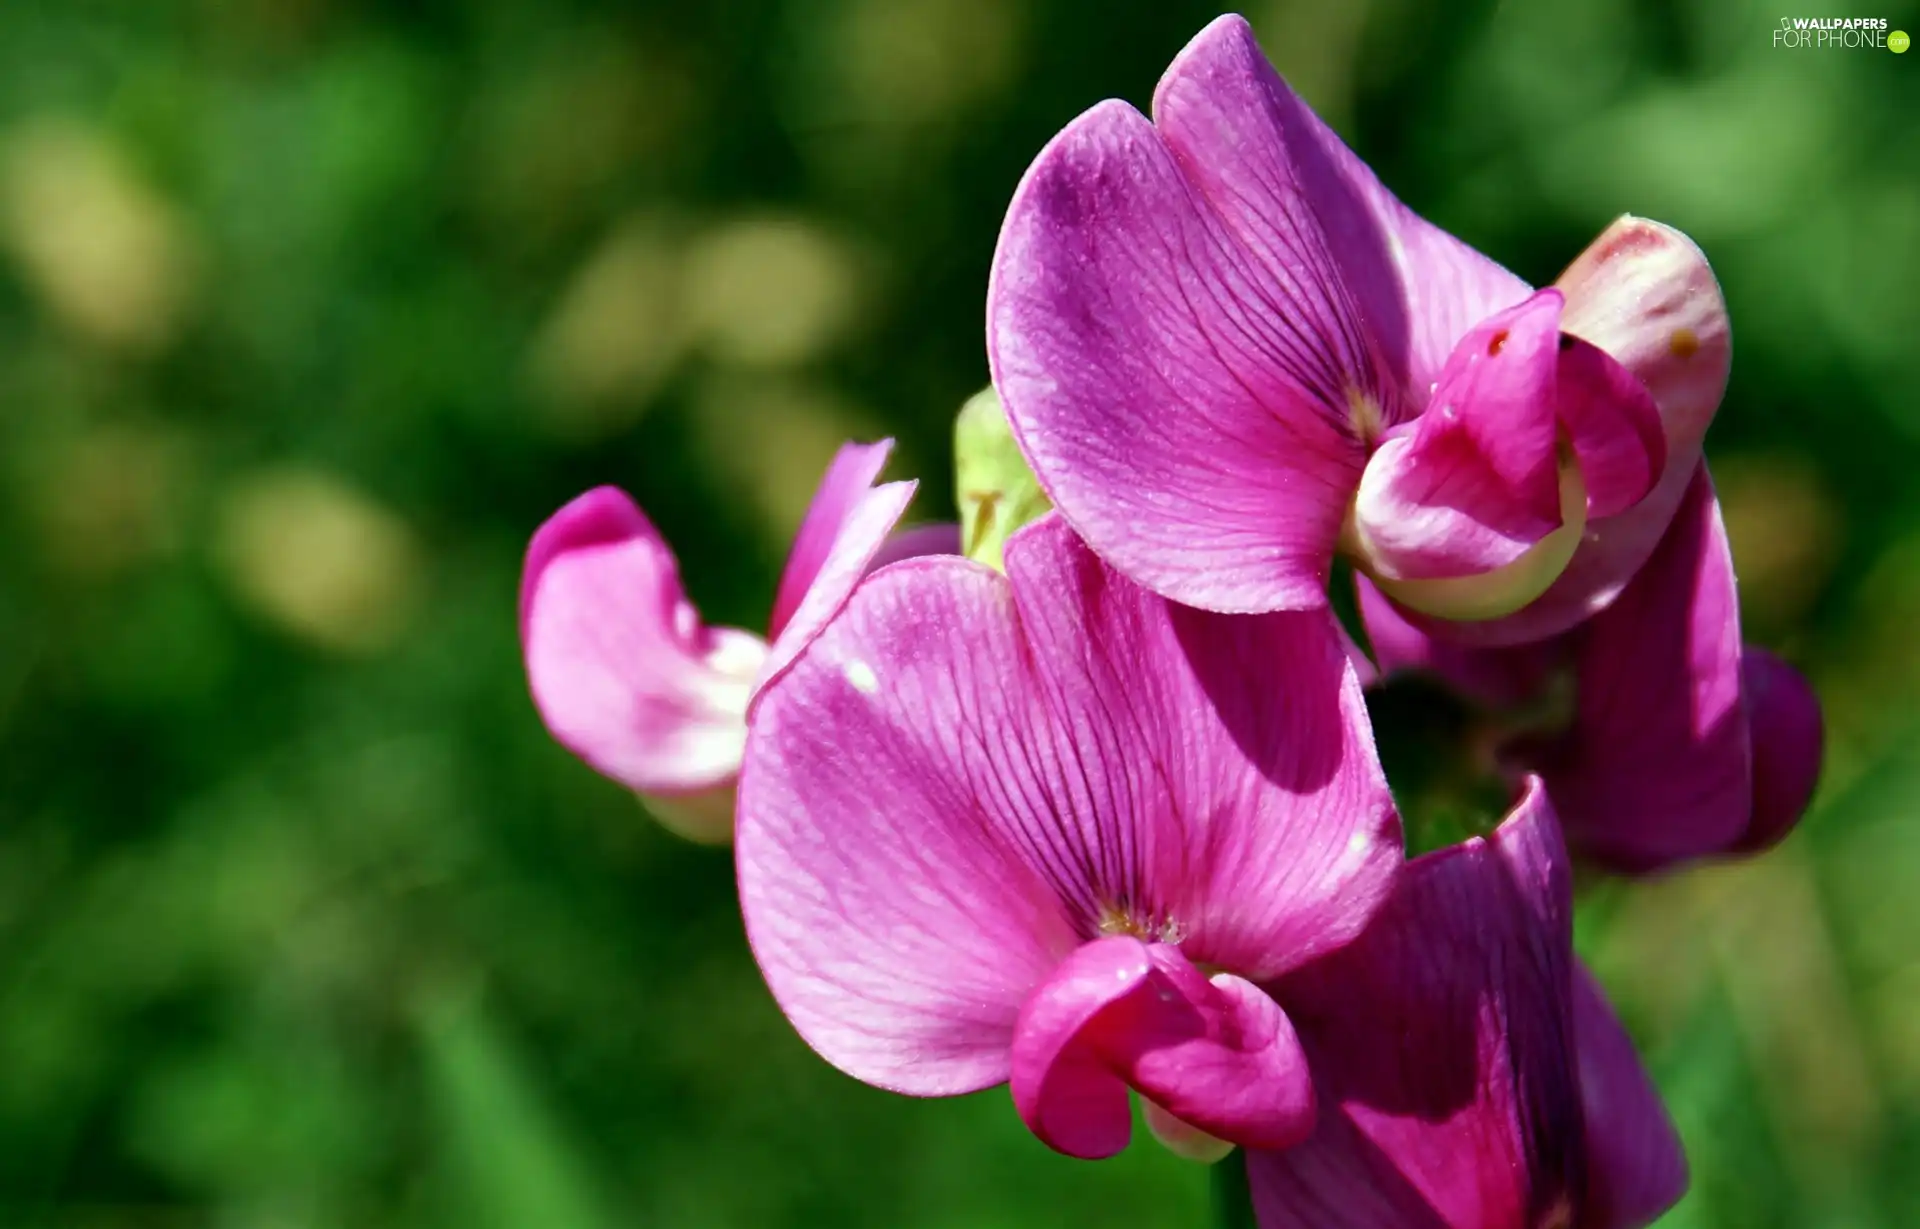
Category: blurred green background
<point>310,310</point>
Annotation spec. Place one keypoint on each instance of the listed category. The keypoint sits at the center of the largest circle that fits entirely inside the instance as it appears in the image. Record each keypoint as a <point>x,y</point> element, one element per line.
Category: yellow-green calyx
<point>1497,593</point>
<point>997,492</point>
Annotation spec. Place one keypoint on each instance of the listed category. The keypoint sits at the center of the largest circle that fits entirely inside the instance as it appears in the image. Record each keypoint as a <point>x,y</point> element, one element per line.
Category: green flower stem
<point>1232,1200</point>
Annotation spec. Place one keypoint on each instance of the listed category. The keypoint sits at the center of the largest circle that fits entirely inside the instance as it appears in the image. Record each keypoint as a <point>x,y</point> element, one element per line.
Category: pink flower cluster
<point>1111,823</point>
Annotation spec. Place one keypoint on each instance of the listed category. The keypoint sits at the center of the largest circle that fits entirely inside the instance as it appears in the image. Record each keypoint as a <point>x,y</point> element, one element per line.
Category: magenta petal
<point>1217,772</point>
<point>1442,1043</point>
<point>1184,404</point>
<point>1657,767</point>
<point>969,775</point>
<point>858,539</point>
<point>1789,736</point>
<point>1636,1168</point>
<point>621,668</point>
<point>1219,1055</point>
<point>1612,426</point>
<point>1476,483</point>
<point>848,481</point>
<point>896,925</point>
<point>1644,294</point>
<point>1265,162</point>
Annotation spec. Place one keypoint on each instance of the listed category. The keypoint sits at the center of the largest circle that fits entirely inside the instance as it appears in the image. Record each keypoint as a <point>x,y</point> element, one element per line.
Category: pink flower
<point>1047,828</point>
<point>1470,1073</point>
<point>1229,352</point>
<point>1052,830</point>
<point>1682,742</point>
<point>627,676</point>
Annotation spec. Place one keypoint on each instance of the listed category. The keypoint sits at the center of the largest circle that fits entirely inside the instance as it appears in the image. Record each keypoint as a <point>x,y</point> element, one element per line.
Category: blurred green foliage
<point>310,310</point>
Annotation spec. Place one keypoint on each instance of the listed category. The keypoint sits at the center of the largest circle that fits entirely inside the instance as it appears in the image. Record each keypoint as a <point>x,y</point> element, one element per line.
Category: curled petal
<point>1658,767</point>
<point>1476,483</point>
<point>1644,294</point>
<point>969,775</point>
<point>1528,433</point>
<point>1218,1055</point>
<point>1612,428</point>
<point>1443,1049</point>
<point>1788,735</point>
<point>846,528</point>
<point>621,668</point>
<point>1438,535</point>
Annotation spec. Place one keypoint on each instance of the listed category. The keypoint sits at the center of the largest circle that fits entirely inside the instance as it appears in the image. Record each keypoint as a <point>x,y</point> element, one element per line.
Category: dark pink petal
<point>1443,1050</point>
<point>622,670</point>
<point>1657,767</point>
<point>1643,293</point>
<point>969,775</point>
<point>1219,1055</point>
<point>1183,405</point>
<point>1636,1168</point>
<point>1265,161</point>
<point>848,481</point>
<point>1789,736</point>
<point>1612,427</point>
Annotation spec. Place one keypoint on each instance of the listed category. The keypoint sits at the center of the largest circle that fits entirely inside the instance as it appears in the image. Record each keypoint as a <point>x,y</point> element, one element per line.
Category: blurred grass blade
<point>510,1164</point>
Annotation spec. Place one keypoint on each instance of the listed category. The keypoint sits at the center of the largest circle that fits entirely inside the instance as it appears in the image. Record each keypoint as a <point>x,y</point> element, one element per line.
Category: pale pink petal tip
<point>621,667</point>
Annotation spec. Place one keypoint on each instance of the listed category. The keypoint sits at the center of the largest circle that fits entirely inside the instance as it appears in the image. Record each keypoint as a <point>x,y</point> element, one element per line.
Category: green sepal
<point>997,492</point>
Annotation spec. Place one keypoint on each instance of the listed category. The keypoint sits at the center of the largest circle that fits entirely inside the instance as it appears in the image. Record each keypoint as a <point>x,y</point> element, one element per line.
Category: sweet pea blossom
<point>627,676</point>
<point>1470,1074</point>
<point>1681,741</point>
<point>1228,353</point>
<point>1049,829</point>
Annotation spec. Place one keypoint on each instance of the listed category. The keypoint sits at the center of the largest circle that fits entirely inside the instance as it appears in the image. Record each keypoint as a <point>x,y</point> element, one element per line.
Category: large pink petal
<point>1184,404</point>
<point>1643,293</point>
<point>1264,160</point>
<point>1636,1168</point>
<point>1442,1044</point>
<point>1657,767</point>
<point>1220,1055</point>
<point>1214,777</point>
<point>1789,739</point>
<point>897,926</point>
<point>946,795</point>
<point>621,668</point>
